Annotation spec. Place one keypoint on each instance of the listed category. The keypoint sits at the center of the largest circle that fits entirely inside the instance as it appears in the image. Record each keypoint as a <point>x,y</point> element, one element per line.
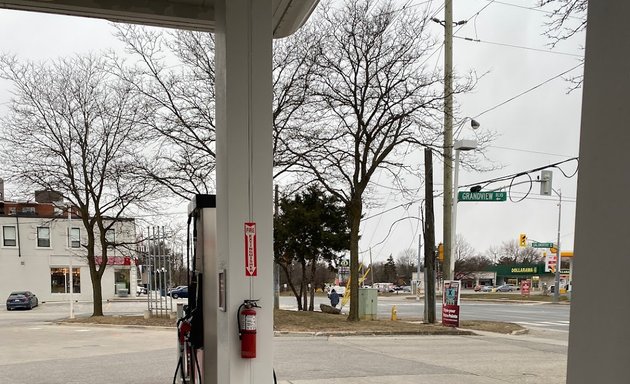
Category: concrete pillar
<point>244,183</point>
<point>599,336</point>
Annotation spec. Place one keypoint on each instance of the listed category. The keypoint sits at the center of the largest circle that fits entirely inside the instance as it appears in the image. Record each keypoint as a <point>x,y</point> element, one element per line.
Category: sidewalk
<point>484,359</point>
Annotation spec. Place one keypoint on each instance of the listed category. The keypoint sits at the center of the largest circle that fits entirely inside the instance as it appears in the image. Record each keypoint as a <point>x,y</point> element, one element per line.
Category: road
<point>530,315</point>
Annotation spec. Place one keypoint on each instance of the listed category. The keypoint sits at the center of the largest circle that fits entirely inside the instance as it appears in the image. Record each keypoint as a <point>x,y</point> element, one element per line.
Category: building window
<point>60,280</point>
<point>9,236</point>
<point>74,237</point>
<point>110,237</point>
<point>43,237</point>
<point>28,210</point>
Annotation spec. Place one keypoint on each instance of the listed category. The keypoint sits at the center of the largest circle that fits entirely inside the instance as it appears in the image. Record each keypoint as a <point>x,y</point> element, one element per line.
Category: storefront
<point>515,273</point>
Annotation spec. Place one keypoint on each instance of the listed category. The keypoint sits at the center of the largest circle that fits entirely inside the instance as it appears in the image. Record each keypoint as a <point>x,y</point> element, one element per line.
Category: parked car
<point>169,290</point>
<point>486,288</point>
<point>505,288</point>
<point>22,299</point>
<point>181,291</point>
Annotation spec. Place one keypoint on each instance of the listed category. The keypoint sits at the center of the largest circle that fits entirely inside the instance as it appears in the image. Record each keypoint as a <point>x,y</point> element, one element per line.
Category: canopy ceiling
<point>288,15</point>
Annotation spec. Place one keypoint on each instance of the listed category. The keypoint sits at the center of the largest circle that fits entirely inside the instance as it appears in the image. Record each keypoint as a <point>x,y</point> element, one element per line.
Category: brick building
<point>39,241</point>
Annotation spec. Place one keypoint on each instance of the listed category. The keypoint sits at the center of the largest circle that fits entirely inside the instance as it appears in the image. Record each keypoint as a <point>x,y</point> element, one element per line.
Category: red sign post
<point>526,286</point>
<point>251,261</point>
<point>450,303</point>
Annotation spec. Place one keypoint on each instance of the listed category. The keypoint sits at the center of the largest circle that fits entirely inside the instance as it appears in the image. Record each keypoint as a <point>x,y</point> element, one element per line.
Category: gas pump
<point>190,327</point>
<point>204,344</point>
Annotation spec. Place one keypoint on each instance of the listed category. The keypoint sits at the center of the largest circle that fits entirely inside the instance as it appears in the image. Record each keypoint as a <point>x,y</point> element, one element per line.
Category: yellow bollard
<point>394,313</point>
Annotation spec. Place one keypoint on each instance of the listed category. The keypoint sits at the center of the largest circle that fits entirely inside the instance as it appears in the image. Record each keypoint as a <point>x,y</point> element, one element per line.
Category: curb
<point>457,332</point>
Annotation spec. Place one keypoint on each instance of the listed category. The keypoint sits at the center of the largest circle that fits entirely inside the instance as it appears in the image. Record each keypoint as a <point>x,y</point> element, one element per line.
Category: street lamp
<point>458,146</point>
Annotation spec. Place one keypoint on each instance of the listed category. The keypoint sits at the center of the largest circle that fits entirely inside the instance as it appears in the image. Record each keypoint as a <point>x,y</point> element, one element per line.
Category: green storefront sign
<point>520,269</point>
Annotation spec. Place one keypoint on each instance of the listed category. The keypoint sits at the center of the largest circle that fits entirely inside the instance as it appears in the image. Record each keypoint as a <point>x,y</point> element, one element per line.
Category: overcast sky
<point>538,128</point>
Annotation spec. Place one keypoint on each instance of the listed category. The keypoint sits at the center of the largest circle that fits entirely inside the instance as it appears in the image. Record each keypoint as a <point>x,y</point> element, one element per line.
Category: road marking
<point>560,323</point>
<point>82,330</point>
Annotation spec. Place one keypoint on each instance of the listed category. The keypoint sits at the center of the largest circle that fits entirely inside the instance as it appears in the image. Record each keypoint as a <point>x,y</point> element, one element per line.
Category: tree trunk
<point>354,214</point>
<point>291,285</point>
<point>311,306</point>
<point>303,290</point>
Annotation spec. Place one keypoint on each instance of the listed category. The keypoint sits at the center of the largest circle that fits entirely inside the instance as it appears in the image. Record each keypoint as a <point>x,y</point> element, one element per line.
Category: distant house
<point>38,241</point>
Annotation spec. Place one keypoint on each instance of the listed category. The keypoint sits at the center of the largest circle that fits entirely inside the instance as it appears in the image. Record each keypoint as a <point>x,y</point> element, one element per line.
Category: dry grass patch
<point>319,322</point>
<point>124,320</point>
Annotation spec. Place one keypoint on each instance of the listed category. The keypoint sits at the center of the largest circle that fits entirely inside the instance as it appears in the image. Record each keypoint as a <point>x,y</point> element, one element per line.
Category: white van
<point>339,289</point>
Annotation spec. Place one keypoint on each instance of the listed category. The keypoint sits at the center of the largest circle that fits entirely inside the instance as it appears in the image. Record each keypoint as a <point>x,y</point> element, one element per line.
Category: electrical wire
<point>528,90</point>
<point>529,151</point>
<point>518,46</point>
<point>535,9</point>
<point>508,177</point>
<point>513,177</point>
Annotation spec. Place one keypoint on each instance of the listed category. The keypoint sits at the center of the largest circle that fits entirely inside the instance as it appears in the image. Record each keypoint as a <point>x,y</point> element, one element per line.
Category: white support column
<point>598,341</point>
<point>244,183</point>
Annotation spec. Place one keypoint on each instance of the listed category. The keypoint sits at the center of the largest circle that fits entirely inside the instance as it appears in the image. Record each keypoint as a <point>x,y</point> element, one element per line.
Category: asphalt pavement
<point>35,350</point>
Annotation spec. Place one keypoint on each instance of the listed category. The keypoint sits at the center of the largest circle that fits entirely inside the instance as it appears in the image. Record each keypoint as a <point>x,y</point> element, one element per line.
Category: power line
<point>530,151</point>
<point>529,90</point>
<point>535,9</point>
<point>515,175</point>
<point>518,47</point>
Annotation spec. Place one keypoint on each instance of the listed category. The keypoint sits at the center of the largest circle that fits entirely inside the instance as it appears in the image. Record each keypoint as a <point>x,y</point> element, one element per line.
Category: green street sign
<point>542,245</point>
<point>482,196</point>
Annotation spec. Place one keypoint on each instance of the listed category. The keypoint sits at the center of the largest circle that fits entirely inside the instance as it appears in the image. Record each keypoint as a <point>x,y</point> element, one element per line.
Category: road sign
<point>251,261</point>
<point>541,245</point>
<point>482,196</point>
<point>550,263</point>
<point>525,287</point>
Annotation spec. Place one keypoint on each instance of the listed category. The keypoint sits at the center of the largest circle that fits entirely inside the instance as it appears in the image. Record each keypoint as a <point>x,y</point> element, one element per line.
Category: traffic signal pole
<point>556,291</point>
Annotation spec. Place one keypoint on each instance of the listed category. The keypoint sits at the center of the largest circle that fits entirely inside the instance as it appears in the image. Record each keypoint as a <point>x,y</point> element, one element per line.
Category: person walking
<point>334,298</point>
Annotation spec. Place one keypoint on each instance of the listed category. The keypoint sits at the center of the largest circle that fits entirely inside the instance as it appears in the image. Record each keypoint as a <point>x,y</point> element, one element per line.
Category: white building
<point>38,243</point>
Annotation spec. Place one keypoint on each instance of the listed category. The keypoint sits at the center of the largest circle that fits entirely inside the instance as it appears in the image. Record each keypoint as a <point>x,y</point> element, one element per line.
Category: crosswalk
<point>560,325</point>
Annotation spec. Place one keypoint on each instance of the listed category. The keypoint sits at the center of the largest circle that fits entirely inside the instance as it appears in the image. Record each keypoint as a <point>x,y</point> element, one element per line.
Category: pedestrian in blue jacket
<point>334,298</point>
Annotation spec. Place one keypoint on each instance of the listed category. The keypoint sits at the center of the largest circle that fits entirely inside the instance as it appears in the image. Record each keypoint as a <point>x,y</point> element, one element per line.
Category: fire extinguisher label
<point>250,323</point>
<point>251,261</point>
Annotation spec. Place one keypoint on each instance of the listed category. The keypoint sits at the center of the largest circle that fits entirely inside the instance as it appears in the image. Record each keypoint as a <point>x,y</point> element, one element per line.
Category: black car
<point>179,292</point>
<point>22,299</point>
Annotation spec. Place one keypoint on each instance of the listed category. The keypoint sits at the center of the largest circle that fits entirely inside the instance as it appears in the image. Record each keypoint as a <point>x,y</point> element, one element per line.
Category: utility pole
<point>276,271</point>
<point>371,270</point>
<point>556,291</point>
<point>448,138</point>
<point>429,240</point>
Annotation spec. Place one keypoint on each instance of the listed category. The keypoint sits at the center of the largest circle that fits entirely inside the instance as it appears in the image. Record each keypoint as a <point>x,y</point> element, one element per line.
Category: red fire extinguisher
<point>247,328</point>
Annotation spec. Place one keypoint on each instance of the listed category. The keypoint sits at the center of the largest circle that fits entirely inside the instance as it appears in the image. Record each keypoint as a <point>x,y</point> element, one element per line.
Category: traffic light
<point>441,252</point>
<point>522,240</point>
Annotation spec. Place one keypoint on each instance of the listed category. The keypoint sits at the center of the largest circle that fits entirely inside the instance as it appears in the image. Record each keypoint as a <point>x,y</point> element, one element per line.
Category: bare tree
<point>567,18</point>
<point>72,128</point>
<point>511,253</point>
<point>406,263</point>
<point>174,74</point>
<point>175,77</point>
<point>463,249</point>
<point>375,104</point>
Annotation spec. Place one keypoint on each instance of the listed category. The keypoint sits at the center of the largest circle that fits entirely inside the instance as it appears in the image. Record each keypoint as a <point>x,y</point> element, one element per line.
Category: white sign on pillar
<point>251,261</point>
